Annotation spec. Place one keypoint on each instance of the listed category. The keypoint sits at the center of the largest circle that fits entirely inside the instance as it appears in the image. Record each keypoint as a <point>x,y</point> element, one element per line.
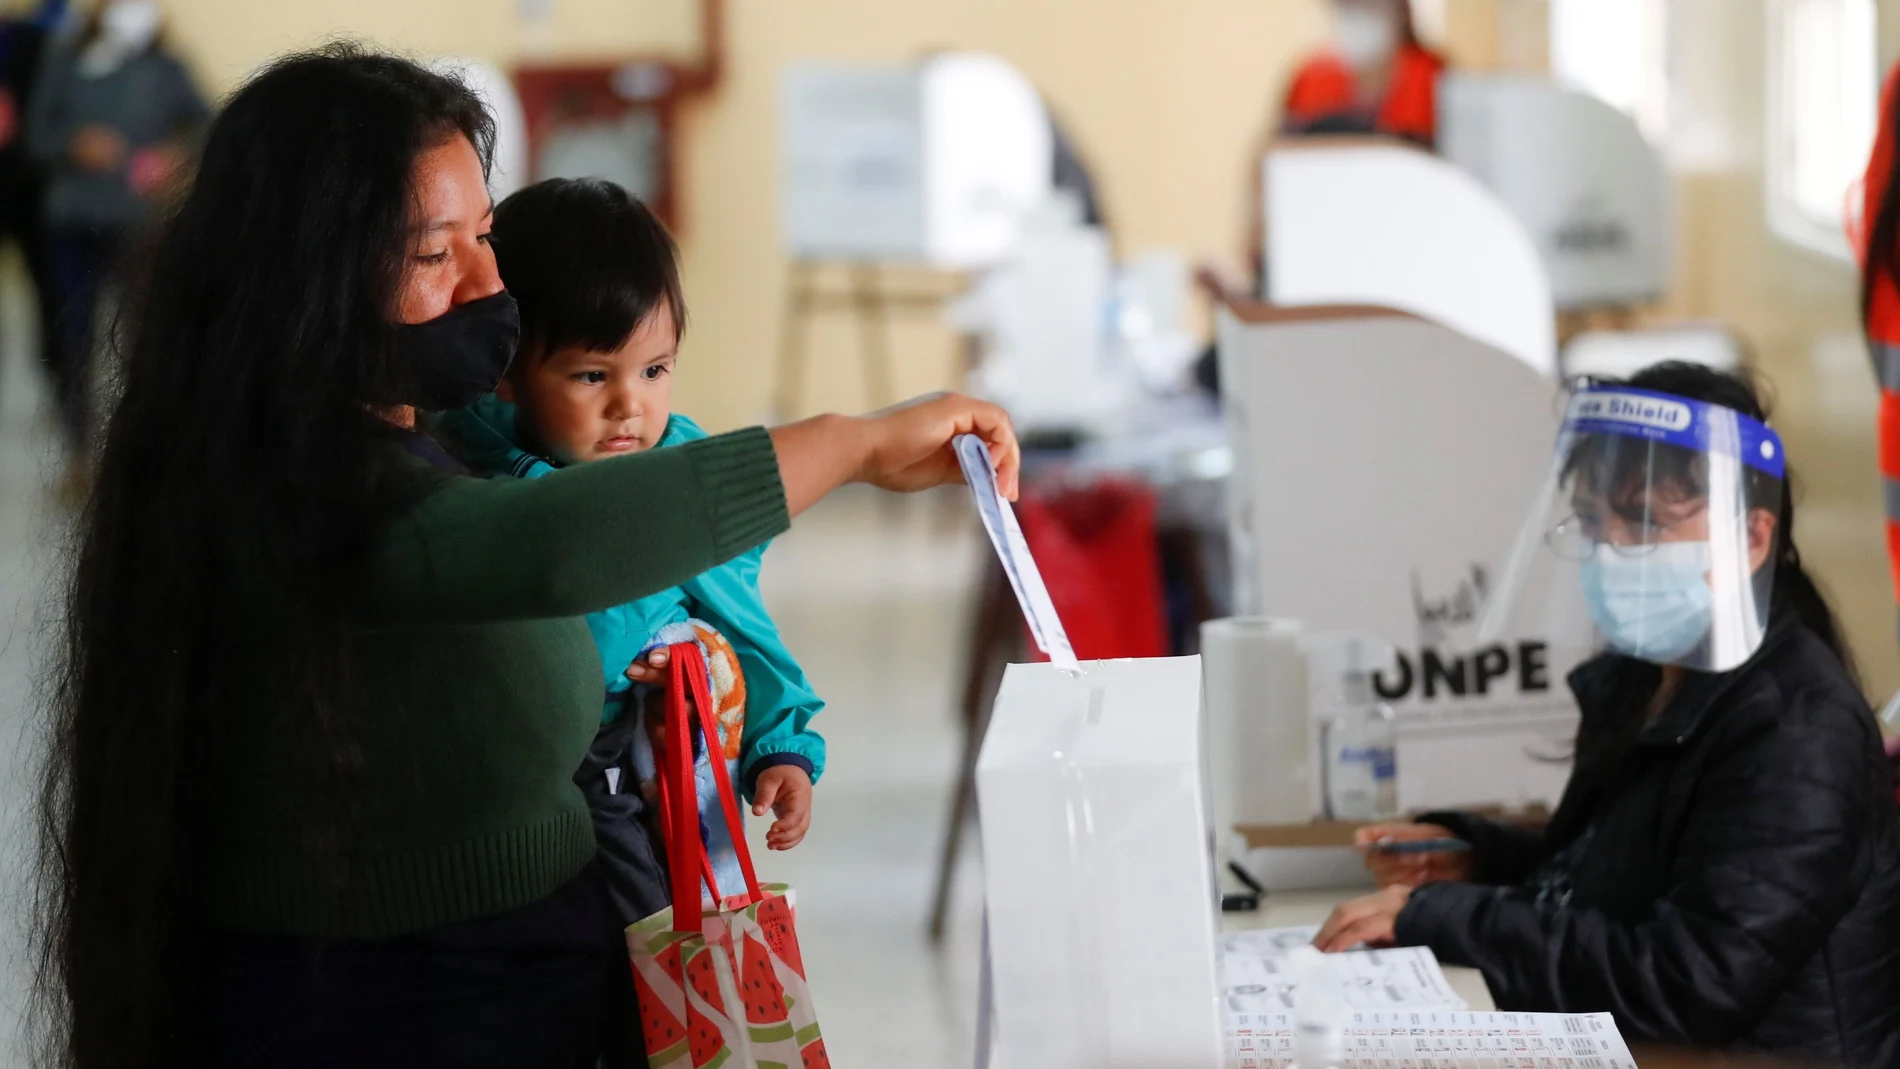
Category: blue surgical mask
<point>1655,606</point>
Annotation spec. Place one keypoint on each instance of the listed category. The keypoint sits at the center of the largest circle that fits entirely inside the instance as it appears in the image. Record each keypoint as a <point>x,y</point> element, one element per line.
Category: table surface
<point>1292,909</point>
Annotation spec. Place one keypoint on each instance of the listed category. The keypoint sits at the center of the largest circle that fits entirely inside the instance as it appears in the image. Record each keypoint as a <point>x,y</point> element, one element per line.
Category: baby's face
<point>584,405</point>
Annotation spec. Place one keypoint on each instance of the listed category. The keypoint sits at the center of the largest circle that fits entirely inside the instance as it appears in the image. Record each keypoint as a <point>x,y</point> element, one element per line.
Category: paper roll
<point>1259,734</point>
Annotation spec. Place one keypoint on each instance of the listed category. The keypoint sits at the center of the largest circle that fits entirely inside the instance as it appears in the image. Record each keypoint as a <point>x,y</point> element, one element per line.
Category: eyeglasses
<point>1575,540</point>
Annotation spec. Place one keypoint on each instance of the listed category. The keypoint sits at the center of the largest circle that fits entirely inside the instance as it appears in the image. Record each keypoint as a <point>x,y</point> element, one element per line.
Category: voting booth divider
<point>1382,466</point>
<point>1592,194</point>
<point>1353,221</point>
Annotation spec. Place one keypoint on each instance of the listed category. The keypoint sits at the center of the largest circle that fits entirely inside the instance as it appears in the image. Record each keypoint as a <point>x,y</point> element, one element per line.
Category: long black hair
<point>1793,596</point>
<point>229,525</point>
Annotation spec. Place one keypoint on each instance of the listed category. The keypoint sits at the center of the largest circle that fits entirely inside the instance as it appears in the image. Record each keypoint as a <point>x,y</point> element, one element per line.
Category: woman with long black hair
<point>309,799</point>
<point>1723,870</point>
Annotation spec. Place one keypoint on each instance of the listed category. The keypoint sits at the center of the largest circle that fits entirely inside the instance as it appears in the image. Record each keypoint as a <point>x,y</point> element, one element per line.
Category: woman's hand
<point>1369,920</point>
<point>904,448</point>
<point>1411,870</point>
<point>910,443</point>
<point>785,791</point>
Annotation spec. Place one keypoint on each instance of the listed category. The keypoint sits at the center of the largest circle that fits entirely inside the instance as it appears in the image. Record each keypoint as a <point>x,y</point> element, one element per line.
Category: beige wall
<point>1166,101</point>
<point>1163,99</point>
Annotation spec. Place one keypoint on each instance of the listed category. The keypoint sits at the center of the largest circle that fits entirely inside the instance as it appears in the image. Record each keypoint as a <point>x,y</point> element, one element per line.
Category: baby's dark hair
<point>587,263</point>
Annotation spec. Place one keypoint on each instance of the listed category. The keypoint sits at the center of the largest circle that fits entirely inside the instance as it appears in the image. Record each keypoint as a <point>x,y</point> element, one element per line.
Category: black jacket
<point>1731,880</point>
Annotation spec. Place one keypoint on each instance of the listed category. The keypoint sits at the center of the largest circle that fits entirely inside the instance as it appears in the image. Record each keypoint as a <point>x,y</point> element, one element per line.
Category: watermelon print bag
<point>720,981</point>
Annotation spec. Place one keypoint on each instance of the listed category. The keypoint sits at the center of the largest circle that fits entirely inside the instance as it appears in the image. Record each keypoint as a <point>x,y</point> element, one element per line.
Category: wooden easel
<point>869,298</point>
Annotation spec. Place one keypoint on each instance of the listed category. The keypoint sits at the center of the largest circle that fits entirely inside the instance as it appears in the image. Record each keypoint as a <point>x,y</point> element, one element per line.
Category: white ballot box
<point>1098,869</point>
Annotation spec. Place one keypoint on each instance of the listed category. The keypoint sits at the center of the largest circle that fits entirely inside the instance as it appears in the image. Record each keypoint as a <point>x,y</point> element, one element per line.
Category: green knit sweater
<point>481,695</point>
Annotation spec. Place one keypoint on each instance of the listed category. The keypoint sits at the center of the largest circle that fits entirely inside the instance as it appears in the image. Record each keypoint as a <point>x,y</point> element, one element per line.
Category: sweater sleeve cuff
<point>798,761</point>
<point>738,474</point>
<point>1436,915</point>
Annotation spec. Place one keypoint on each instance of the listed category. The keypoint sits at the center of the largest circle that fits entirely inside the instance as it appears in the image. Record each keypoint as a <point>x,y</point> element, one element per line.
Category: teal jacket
<point>780,702</point>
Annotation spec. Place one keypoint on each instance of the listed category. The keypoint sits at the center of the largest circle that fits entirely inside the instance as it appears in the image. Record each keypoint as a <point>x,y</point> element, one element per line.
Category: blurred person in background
<point>1374,77</point>
<point>25,38</point>
<point>111,117</point>
<point>1723,870</point>
<point>309,799</point>
<point>1874,234</point>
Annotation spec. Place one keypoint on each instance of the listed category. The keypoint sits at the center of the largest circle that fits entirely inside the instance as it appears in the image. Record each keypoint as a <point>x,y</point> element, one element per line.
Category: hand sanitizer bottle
<point>1361,746</point>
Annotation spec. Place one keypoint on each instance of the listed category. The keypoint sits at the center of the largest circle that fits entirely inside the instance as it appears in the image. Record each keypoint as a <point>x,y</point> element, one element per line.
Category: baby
<point>597,281</point>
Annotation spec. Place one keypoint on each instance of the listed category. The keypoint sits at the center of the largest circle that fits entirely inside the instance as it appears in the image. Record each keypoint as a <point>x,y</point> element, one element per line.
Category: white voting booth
<point>935,163</point>
<point>1383,464</point>
<point>1352,222</point>
<point>1590,192</point>
<point>1391,411</point>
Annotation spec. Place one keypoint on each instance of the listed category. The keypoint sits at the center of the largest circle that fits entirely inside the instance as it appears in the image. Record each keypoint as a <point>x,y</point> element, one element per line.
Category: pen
<point>1421,846</point>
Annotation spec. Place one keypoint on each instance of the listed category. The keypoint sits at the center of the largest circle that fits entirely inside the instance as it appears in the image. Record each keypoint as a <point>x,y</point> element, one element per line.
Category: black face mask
<point>460,355</point>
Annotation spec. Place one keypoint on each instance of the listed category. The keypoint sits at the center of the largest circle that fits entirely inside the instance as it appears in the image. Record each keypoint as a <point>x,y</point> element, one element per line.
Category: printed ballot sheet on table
<point>1443,1039</point>
<point>1256,976</point>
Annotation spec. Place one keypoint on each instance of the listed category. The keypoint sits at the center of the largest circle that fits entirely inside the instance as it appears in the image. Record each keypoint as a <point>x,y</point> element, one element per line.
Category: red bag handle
<point>679,796</point>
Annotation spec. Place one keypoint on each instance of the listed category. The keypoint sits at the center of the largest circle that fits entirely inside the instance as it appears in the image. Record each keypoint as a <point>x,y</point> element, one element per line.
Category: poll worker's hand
<point>1410,870</point>
<point>651,669</point>
<point>1369,920</point>
<point>785,791</point>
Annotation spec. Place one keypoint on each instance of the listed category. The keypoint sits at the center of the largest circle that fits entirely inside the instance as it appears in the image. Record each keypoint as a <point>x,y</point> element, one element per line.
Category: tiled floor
<point>28,526</point>
<point>871,594</point>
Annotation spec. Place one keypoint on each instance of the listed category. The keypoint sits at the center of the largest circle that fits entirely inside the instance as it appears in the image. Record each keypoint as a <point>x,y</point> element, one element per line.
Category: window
<point>1823,104</point>
<point>1616,50</point>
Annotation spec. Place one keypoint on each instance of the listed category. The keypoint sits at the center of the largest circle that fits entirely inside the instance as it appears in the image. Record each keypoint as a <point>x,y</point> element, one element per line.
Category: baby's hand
<point>651,669</point>
<point>786,791</point>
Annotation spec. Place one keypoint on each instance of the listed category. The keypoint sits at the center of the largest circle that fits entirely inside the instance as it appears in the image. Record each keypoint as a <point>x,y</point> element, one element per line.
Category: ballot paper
<point>1442,1039</point>
<point>999,519</point>
<point>1256,978</point>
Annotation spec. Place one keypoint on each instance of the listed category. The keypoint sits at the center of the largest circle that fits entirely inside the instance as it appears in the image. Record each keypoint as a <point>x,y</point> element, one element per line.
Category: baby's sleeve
<point>780,702</point>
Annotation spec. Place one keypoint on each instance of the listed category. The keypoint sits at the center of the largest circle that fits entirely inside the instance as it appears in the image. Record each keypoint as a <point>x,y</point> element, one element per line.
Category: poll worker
<point>1875,235</point>
<point>1373,77</point>
<point>1723,870</point>
<point>310,798</point>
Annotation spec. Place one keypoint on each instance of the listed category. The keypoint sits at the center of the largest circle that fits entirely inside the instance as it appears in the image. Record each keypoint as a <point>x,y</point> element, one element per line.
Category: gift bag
<point>719,979</point>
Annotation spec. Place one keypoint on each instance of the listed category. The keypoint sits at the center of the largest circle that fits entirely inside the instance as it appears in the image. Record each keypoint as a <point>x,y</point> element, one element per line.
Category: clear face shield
<point>1654,535</point>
